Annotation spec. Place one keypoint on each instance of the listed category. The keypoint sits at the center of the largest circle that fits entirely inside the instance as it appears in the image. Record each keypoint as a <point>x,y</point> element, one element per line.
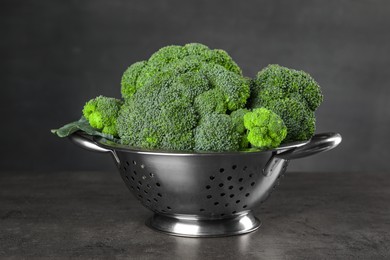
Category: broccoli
<point>192,97</point>
<point>292,94</point>
<point>188,84</point>
<point>238,122</point>
<point>137,75</point>
<point>210,101</point>
<point>266,128</point>
<point>129,79</point>
<point>216,132</point>
<point>101,113</point>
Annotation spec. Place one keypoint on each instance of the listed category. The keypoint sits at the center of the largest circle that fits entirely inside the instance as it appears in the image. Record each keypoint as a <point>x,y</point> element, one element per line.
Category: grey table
<point>92,214</point>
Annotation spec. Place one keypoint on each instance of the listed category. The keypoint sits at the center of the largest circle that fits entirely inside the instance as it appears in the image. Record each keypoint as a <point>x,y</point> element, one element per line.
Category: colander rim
<point>108,144</point>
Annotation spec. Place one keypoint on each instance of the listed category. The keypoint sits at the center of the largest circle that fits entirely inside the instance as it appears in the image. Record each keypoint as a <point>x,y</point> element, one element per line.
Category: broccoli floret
<point>158,116</point>
<point>102,112</point>
<point>212,101</point>
<point>292,94</point>
<point>234,87</point>
<point>299,120</point>
<point>216,132</point>
<point>238,122</point>
<point>129,79</point>
<point>266,128</point>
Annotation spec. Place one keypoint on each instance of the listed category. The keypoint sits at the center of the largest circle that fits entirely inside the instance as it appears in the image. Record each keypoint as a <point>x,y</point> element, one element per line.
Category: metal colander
<point>204,194</point>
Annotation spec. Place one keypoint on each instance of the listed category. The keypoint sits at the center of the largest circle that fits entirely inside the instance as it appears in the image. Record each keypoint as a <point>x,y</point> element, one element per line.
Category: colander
<point>204,194</point>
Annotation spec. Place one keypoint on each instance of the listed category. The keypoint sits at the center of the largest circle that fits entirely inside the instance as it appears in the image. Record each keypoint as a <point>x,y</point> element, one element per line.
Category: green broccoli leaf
<point>80,125</point>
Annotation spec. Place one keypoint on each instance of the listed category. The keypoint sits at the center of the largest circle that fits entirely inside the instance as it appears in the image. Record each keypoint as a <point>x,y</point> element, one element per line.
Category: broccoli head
<point>186,86</point>
<point>216,132</point>
<point>292,94</point>
<point>102,112</point>
<point>266,128</point>
<point>137,75</point>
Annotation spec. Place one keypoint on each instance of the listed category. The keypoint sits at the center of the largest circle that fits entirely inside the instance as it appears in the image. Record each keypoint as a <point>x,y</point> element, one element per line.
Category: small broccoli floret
<point>212,101</point>
<point>216,132</point>
<point>102,112</point>
<point>292,94</point>
<point>266,128</point>
<point>129,79</point>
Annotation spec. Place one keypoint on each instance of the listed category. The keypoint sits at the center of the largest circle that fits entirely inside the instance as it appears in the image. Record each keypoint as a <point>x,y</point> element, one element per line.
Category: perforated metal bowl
<point>204,194</point>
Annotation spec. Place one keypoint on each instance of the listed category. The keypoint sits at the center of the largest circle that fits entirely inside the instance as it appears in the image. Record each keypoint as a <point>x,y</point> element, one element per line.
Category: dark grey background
<point>55,55</point>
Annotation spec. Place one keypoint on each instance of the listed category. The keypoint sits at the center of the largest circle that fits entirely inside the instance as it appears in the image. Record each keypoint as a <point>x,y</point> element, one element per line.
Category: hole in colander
<point>229,178</point>
<point>132,187</point>
<point>240,179</point>
<point>128,164</point>
<point>127,177</point>
<point>237,201</point>
<point>253,183</point>
<point>124,168</point>
<point>148,185</point>
<point>159,194</point>
<point>212,177</point>
<point>230,187</point>
<point>146,192</point>
<point>231,195</point>
<point>132,178</point>
<point>251,175</point>
<point>139,195</point>
<point>169,208</point>
<point>142,166</point>
<point>156,200</point>
<point>227,204</point>
<point>234,167</point>
<point>221,170</point>
<point>140,183</point>
<point>241,188</point>
<point>222,215</point>
<point>148,200</point>
<point>244,207</point>
<point>208,187</point>
<point>151,175</point>
<point>244,168</point>
<point>134,162</point>
<point>201,210</point>
<point>158,184</point>
<point>135,173</point>
<point>223,194</point>
<point>209,196</point>
<point>220,185</point>
<point>247,195</point>
<point>138,188</point>
<point>163,210</point>
<point>216,203</point>
<point>234,212</point>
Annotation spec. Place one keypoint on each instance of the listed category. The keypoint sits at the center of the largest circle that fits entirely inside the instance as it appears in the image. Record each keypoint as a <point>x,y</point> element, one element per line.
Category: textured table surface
<point>92,214</point>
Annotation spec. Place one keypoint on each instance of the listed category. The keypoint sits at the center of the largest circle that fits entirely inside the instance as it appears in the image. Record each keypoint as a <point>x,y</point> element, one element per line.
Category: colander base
<point>193,227</point>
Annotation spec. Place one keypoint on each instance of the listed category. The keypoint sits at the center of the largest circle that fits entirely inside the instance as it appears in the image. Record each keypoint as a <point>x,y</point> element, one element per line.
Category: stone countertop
<point>92,214</point>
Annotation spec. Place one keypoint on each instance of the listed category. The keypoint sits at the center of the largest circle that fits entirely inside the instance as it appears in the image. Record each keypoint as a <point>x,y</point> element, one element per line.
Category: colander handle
<point>317,144</point>
<point>87,142</point>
